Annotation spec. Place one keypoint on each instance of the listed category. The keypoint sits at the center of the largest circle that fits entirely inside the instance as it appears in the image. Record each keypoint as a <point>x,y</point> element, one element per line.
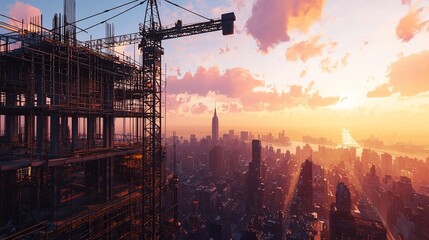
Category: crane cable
<point>96,14</point>
<point>105,11</point>
<point>199,15</point>
<point>110,18</point>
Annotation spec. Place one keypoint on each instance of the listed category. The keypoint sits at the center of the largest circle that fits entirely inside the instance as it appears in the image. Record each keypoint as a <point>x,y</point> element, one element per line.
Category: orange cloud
<point>329,65</point>
<point>272,19</point>
<point>305,13</point>
<point>234,89</point>
<point>22,11</point>
<point>345,59</point>
<point>380,91</point>
<point>230,83</point>
<point>318,101</point>
<point>305,50</point>
<point>410,25</point>
<point>409,75</point>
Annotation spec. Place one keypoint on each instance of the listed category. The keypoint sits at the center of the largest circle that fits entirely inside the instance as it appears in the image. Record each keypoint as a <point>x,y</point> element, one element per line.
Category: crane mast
<point>153,165</point>
<point>149,38</point>
<point>153,152</point>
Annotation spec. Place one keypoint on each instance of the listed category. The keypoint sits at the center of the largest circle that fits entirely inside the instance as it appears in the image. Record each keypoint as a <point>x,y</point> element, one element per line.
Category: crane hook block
<point>228,23</point>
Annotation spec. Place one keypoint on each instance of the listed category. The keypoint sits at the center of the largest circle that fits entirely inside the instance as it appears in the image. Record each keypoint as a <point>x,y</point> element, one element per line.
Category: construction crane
<point>149,39</point>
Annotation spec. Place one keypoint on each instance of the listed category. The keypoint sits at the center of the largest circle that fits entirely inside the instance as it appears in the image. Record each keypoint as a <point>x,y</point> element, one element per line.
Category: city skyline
<point>344,64</point>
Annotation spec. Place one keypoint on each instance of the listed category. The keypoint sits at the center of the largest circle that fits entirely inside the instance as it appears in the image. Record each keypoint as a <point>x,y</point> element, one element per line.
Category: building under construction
<point>65,170</point>
<point>79,126</point>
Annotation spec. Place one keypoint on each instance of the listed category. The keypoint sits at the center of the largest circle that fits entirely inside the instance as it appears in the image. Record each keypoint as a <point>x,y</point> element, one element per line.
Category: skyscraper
<point>256,158</point>
<point>254,176</point>
<point>215,128</point>
<point>345,225</point>
<point>343,199</point>
<point>386,164</point>
<point>306,189</point>
<point>216,161</point>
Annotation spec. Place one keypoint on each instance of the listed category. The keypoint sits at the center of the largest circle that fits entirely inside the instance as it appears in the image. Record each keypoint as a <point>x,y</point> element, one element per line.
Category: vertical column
<point>29,131</point>
<point>11,120</point>
<point>55,115</point>
<point>108,119</point>
<point>55,191</point>
<point>29,128</point>
<point>42,121</point>
<point>55,134</point>
<point>37,179</point>
<point>91,131</point>
<point>75,132</point>
<point>108,131</point>
<point>64,127</point>
<point>107,166</point>
<point>9,196</point>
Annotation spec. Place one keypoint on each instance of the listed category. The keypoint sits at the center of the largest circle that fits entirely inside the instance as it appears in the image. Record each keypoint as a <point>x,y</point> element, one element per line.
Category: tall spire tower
<point>215,128</point>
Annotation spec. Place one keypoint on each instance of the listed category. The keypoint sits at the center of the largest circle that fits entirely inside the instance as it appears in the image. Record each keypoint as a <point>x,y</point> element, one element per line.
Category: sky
<point>307,67</point>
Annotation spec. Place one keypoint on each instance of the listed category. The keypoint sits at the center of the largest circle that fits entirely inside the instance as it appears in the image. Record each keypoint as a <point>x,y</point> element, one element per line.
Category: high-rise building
<point>386,163</point>
<point>254,176</point>
<point>215,128</point>
<point>344,225</point>
<point>216,161</point>
<point>256,158</point>
<point>231,134</point>
<point>306,189</point>
<point>244,135</point>
<point>343,199</point>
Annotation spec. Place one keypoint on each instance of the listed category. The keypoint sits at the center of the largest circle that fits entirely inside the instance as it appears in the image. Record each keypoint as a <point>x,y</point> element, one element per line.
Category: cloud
<point>234,90</point>
<point>272,20</point>
<point>406,2</point>
<point>345,59</point>
<point>328,65</point>
<point>22,11</point>
<point>409,75</point>
<point>199,108</point>
<point>174,101</point>
<point>380,91</point>
<point>231,108</point>
<point>318,101</point>
<point>295,91</point>
<point>303,73</point>
<point>231,83</point>
<point>305,50</point>
<point>239,4</point>
<point>410,25</point>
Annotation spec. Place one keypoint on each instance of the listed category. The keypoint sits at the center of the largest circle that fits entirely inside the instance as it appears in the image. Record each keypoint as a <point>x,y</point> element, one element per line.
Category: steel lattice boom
<point>149,39</point>
<point>152,33</point>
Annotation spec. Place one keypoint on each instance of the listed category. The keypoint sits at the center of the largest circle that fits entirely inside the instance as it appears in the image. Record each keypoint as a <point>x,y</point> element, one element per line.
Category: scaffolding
<point>70,140</point>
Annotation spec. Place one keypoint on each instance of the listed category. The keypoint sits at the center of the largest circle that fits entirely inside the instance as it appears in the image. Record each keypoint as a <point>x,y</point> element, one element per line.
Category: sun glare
<point>347,101</point>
